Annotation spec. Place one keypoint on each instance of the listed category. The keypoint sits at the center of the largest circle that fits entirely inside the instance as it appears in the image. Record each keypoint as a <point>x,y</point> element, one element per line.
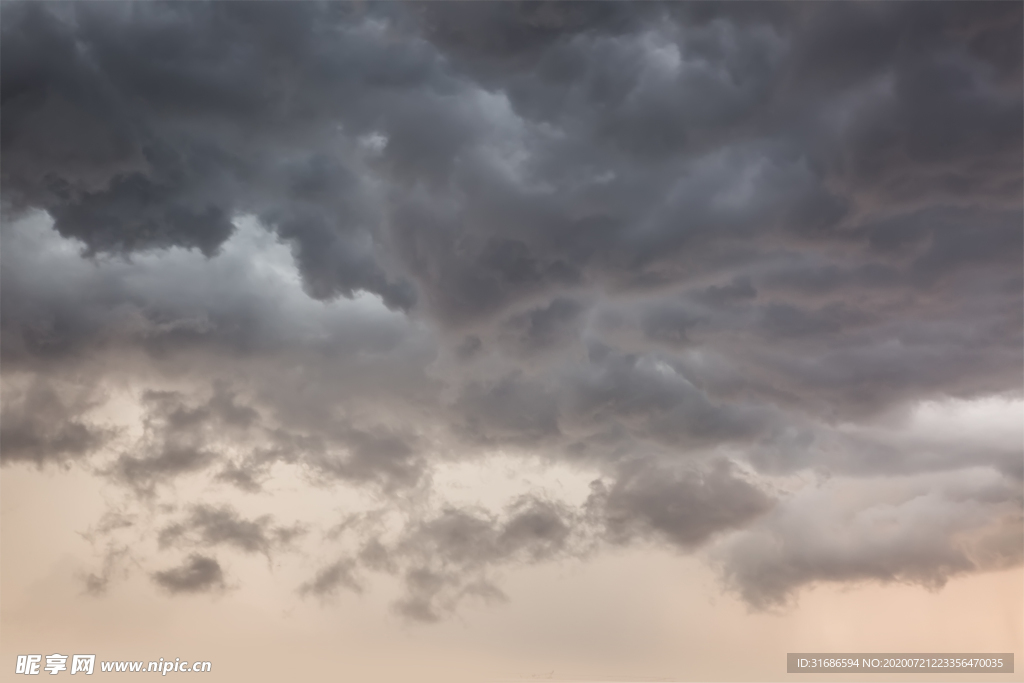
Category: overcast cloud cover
<point>752,272</point>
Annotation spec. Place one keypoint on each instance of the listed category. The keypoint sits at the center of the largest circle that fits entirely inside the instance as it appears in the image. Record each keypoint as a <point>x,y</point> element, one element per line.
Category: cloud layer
<point>715,259</point>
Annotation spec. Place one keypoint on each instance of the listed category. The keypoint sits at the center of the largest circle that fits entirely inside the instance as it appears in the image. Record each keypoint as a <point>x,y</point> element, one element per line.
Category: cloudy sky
<point>427,341</point>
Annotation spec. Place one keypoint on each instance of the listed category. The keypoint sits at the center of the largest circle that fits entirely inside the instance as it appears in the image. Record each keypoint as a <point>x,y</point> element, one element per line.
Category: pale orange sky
<point>641,614</point>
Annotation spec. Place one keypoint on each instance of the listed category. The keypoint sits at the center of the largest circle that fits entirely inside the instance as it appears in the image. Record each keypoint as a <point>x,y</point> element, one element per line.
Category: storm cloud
<point>724,262</point>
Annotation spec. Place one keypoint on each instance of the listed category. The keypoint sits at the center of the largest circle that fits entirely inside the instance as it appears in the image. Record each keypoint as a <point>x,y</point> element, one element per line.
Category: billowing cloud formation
<point>922,531</point>
<point>720,261</point>
<point>686,510</point>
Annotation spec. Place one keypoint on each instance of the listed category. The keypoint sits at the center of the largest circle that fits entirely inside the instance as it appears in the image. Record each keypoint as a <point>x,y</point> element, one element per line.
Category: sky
<point>496,341</point>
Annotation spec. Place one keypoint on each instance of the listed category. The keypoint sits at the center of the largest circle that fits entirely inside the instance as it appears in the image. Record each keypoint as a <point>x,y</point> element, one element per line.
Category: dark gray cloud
<point>332,577</point>
<point>213,526</point>
<point>144,473</point>
<point>135,166</point>
<point>947,105</point>
<point>512,409</point>
<point>452,554</point>
<point>686,508</point>
<point>533,528</point>
<point>177,438</point>
<point>544,326</point>
<point>40,426</point>
<point>197,574</point>
<point>185,435</point>
<point>682,248</point>
<point>655,400</point>
<point>379,456</point>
